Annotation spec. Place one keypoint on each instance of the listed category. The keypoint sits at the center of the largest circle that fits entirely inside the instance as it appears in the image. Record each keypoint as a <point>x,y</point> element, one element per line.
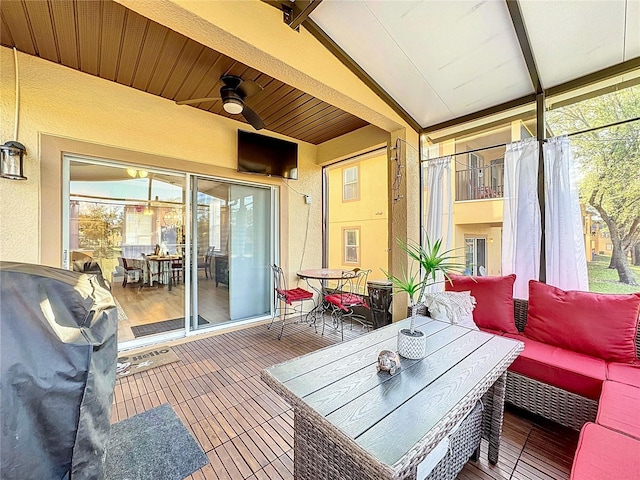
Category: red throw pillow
<point>494,300</point>
<point>600,325</point>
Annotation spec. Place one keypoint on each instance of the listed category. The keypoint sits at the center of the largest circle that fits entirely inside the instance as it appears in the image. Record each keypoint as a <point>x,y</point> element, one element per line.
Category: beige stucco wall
<point>64,103</point>
<point>129,125</point>
<point>369,213</point>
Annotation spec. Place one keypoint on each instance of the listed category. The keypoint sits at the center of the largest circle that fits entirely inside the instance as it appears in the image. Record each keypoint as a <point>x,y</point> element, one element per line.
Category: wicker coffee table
<point>351,422</point>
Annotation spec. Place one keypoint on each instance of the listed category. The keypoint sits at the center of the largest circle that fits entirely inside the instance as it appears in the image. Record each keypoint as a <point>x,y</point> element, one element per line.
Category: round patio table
<point>322,275</point>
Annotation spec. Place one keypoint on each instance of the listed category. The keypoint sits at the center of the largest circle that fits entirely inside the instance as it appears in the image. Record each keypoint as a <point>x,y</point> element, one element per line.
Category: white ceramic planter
<point>412,346</point>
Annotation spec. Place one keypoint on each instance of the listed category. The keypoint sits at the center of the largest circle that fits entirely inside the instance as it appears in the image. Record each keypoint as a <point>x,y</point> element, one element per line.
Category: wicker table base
<point>353,422</point>
<point>317,457</point>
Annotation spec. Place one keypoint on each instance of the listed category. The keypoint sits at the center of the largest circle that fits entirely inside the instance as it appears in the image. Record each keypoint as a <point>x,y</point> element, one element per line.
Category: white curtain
<point>522,226</point>
<point>566,261</point>
<point>439,208</point>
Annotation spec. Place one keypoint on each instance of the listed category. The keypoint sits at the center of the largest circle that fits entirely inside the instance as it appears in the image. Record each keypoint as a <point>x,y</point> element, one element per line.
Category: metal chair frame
<point>352,294</point>
<point>285,296</point>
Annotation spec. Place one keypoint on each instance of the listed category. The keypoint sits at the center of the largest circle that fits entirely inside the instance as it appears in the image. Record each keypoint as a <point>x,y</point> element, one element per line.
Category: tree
<point>609,163</point>
<point>99,227</point>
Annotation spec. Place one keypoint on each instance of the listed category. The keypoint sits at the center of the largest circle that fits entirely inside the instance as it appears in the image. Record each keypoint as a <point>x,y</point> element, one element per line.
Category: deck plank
<point>246,430</point>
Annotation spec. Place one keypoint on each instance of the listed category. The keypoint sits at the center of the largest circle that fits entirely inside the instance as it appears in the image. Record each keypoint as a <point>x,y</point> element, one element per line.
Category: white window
<point>476,256</point>
<point>350,186</point>
<point>351,243</point>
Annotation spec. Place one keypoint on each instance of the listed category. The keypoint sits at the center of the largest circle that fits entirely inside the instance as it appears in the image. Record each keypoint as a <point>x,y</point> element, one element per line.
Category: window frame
<point>356,197</point>
<point>357,246</point>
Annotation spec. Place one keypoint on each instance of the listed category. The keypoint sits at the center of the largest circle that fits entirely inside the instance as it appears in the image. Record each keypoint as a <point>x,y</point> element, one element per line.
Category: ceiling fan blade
<point>253,118</point>
<point>197,100</point>
<point>248,88</point>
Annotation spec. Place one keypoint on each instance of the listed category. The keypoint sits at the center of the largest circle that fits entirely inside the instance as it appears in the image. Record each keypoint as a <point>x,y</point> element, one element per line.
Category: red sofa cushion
<point>596,324</point>
<point>494,300</point>
<point>624,373</point>
<point>565,369</point>
<point>603,454</point>
<point>491,331</point>
<point>618,408</point>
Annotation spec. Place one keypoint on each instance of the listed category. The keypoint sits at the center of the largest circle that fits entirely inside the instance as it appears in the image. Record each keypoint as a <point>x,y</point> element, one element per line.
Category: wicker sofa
<point>598,397</point>
<point>610,426</point>
<point>557,404</point>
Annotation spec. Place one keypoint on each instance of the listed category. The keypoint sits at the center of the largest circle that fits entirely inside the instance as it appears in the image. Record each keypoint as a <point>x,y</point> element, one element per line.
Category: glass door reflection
<point>210,245</point>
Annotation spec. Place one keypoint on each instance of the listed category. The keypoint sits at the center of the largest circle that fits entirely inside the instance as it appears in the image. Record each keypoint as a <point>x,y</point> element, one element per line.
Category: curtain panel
<point>566,261</point>
<point>522,225</point>
<point>439,209</point>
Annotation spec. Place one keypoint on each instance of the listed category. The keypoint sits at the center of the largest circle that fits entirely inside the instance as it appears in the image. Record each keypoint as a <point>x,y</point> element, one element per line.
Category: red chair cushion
<point>603,454</point>
<point>494,300</point>
<point>618,408</point>
<point>624,373</point>
<point>294,294</point>
<point>601,325</point>
<point>565,369</point>
<point>344,301</point>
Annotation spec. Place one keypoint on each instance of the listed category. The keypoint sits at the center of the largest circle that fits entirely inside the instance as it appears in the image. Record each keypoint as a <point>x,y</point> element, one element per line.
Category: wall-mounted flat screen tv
<point>267,155</point>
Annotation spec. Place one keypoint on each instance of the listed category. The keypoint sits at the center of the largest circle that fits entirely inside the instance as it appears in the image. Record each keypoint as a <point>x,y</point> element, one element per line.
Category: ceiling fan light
<point>143,173</point>
<point>233,106</point>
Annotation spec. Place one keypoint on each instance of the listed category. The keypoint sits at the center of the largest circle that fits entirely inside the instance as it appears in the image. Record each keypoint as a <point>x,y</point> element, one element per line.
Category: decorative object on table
<point>388,361</point>
<point>430,260</point>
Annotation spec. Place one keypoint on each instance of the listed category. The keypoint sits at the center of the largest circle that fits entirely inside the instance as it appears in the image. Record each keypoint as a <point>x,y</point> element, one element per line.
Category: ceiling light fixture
<point>233,106</point>
<point>132,172</point>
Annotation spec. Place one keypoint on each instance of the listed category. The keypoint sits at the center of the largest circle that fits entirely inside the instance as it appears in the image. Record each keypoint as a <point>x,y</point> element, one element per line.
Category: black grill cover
<point>58,353</point>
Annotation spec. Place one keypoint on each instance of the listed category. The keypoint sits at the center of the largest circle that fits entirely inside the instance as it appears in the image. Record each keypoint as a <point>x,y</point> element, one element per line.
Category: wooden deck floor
<point>246,430</point>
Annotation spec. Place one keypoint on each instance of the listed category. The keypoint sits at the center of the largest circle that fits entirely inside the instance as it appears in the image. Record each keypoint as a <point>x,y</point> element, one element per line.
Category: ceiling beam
<point>595,77</point>
<point>481,113</point>
<point>525,45</point>
<point>295,13</point>
<point>341,55</point>
<point>346,60</point>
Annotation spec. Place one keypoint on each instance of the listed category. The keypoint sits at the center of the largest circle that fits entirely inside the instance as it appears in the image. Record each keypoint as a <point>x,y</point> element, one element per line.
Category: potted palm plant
<point>429,260</point>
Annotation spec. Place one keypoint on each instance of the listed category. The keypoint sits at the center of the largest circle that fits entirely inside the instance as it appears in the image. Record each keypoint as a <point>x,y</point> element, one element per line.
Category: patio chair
<point>352,295</point>
<point>150,273</point>
<point>284,298</point>
<point>129,270</point>
<point>205,262</point>
<point>177,270</point>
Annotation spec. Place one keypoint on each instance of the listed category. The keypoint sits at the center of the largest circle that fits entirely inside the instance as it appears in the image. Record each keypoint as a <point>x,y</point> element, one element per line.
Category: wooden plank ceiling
<point>107,40</point>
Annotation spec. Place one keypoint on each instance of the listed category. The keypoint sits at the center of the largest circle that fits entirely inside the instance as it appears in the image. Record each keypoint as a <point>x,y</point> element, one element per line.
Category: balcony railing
<point>480,182</point>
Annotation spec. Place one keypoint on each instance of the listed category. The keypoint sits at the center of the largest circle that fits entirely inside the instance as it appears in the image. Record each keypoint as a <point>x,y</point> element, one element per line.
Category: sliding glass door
<point>231,250</point>
<point>130,223</point>
<point>251,246</point>
<point>182,252</point>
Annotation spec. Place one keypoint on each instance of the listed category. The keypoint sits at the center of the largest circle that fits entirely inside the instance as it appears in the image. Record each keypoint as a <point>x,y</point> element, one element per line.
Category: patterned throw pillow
<point>453,307</point>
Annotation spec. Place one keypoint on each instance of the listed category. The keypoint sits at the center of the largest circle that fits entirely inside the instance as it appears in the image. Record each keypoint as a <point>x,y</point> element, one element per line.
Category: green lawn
<point>604,280</point>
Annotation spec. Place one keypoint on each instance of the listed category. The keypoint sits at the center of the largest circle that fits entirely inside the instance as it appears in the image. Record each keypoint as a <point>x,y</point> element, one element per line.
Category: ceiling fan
<point>233,92</point>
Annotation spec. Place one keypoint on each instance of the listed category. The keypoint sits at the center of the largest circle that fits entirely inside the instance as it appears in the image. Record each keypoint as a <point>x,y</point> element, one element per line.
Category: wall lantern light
<point>11,160</point>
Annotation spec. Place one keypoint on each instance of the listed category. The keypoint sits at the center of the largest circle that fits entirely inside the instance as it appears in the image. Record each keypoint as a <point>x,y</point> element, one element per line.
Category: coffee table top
<point>390,416</point>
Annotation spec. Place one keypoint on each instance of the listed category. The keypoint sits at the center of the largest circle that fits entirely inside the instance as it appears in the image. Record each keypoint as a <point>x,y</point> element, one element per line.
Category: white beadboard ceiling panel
<point>438,59</point>
<point>353,26</point>
<point>442,59</point>
<point>571,39</point>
